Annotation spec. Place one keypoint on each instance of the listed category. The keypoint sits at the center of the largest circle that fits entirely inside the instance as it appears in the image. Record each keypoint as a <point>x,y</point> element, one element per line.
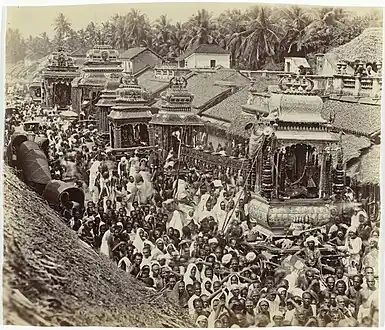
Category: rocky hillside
<point>51,278</point>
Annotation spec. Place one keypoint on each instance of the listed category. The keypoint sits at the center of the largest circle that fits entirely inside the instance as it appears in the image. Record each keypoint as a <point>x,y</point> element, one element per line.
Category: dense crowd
<point>187,234</point>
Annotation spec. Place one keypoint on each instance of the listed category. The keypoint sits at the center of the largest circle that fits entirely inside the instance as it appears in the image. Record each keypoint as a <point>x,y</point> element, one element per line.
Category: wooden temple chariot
<point>102,65</point>
<point>176,122</point>
<point>130,115</point>
<point>56,80</point>
<point>291,155</point>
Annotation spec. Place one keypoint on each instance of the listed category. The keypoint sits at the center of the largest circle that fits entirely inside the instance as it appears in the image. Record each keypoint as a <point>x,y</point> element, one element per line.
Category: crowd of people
<point>187,234</point>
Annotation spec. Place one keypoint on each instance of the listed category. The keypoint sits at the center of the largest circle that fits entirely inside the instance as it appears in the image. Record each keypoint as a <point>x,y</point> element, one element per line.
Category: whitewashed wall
<point>203,60</point>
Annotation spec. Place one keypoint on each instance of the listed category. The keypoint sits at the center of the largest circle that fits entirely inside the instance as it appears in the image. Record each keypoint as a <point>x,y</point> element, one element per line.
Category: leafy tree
<point>15,46</point>
<point>62,29</point>
<point>263,37</point>
<point>258,38</point>
<point>201,29</point>
<point>162,35</point>
<point>232,27</point>
<point>139,29</point>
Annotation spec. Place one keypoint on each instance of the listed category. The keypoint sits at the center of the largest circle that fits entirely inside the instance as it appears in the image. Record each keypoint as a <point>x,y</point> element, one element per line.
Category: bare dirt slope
<point>51,278</point>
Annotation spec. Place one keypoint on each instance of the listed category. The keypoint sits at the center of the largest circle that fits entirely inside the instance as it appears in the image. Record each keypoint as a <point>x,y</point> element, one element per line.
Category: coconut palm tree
<point>83,43</point>
<point>162,35</point>
<point>91,33</point>
<point>262,37</point>
<point>107,31</point>
<point>139,29</point>
<point>177,40</point>
<point>295,20</point>
<point>232,28</point>
<point>45,44</point>
<point>317,35</point>
<point>122,31</point>
<point>62,29</point>
<point>201,29</point>
<point>15,46</point>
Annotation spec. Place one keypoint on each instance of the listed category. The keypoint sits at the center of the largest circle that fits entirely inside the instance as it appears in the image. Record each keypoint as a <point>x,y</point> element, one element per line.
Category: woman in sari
<point>192,274</point>
<point>216,308</point>
<point>263,308</point>
<point>158,249</point>
<point>207,287</point>
<point>202,321</point>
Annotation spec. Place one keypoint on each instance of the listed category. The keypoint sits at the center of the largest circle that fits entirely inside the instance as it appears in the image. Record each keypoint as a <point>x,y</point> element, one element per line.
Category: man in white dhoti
<point>221,215</point>
<point>94,172</point>
<point>180,186</point>
<point>123,166</point>
<point>207,212</point>
<point>134,164</point>
<point>144,186</point>
<point>353,246</point>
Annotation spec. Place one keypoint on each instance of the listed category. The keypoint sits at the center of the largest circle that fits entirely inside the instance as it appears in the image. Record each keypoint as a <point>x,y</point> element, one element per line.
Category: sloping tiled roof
<point>203,85</point>
<point>135,51</point>
<point>229,108</point>
<point>148,81</point>
<point>353,117</point>
<point>79,52</point>
<point>203,49</point>
<point>366,47</point>
<point>239,123</point>
<point>34,57</point>
<point>261,84</point>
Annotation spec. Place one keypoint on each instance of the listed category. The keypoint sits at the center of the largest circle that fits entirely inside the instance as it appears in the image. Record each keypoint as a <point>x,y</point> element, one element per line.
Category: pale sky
<point>35,20</point>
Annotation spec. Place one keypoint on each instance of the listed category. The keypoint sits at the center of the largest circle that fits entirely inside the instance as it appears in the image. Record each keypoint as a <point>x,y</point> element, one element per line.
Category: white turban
<point>213,240</point>
<point>279,290</point>
<point>226,258</point>
<point>251,256</point>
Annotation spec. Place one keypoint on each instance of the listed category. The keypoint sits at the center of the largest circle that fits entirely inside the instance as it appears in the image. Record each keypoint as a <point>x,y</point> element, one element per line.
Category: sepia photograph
<point>192,165</point>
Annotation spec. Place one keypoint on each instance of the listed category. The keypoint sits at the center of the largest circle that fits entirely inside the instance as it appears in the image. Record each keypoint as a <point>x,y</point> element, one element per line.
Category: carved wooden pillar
<point>50,94</point>
<point>103,120</point>
<point>322,174</point>
<point>338,82</point>
<point>111,133</point>
<point>42,93</point>
<point>106,112</point>
<point>117,137</point>
<point>151,134</point>
<point>267,176</point>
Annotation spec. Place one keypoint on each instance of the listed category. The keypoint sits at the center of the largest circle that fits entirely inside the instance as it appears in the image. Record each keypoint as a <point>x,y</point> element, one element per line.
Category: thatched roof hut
<point>366,47</point>
<point>52,278</point>
<point>367,168</point>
